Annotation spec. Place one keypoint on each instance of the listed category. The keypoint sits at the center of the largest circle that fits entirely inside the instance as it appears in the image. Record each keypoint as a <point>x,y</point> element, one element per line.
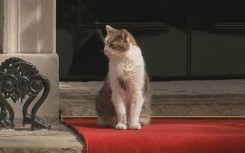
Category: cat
<point>124,100</point>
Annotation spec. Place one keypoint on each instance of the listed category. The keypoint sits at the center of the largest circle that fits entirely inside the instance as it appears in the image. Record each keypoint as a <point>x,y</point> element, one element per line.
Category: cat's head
<point>117,42</point>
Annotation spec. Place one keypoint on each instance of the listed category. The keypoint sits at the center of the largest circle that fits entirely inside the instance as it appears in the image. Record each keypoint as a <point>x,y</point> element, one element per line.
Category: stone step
<point>60,139</point>
<point>170,98</point>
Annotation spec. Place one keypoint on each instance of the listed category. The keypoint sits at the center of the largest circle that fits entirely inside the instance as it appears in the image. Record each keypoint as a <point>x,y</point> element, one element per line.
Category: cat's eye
<point>116,47</point>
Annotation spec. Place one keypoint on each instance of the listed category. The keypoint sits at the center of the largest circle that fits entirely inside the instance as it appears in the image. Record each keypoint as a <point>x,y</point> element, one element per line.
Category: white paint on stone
<point>29,26</point>
<point>10,26</point>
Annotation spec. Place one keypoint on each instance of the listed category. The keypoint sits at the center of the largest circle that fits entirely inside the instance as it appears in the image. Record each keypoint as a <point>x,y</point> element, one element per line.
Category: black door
<point>218,38</point>
<point>179,39</point>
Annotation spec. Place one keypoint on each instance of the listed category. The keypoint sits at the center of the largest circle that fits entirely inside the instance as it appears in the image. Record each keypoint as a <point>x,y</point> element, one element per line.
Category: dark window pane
<point>127,11</point>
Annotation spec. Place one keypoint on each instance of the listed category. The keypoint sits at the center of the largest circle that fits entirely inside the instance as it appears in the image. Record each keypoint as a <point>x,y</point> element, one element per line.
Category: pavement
<point>59,139</point>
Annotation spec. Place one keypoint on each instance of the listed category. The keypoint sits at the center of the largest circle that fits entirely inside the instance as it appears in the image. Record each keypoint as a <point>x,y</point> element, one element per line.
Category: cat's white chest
<point>127,73</point>
<point>118,69</point>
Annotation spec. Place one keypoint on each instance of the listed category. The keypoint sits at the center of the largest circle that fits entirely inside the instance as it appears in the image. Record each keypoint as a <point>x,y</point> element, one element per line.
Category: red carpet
<point>164,136</point>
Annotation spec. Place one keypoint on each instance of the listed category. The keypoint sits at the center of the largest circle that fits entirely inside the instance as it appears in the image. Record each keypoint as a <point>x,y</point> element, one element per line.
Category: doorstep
<point>170,98</point>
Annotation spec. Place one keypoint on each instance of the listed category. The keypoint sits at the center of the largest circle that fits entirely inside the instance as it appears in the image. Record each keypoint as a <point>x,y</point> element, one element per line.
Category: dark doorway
<point>180,39</point>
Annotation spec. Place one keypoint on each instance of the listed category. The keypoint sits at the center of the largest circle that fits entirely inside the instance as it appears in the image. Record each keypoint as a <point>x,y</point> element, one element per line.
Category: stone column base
<point>48,66</point>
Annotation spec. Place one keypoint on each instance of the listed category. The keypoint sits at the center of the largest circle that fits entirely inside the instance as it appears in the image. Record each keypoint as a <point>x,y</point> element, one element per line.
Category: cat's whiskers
<point>100,36</point>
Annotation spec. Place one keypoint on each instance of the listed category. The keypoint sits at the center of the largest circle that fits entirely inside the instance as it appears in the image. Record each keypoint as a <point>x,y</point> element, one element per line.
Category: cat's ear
<point>124,34</point>
<point>109,29</point>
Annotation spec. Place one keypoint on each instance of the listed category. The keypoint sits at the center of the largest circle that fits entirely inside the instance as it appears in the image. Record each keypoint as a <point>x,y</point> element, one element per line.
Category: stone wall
<point>28,31</point>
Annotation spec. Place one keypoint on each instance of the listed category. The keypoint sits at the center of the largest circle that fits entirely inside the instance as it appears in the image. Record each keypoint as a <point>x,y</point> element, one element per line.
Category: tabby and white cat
<point>124,100</point>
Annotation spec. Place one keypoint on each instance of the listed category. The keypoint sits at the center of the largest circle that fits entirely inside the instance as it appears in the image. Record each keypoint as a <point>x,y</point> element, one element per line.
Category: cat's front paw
<point>135,126</point>
<point>121,126</point>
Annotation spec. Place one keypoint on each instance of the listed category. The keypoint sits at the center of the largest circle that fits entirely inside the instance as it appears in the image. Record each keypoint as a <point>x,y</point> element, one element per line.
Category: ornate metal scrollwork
<point>21,81</point>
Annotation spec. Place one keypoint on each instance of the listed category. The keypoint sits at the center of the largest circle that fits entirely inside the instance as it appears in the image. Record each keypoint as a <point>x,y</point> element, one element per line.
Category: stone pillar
<point>28,31</point>
<point>1,26</point>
